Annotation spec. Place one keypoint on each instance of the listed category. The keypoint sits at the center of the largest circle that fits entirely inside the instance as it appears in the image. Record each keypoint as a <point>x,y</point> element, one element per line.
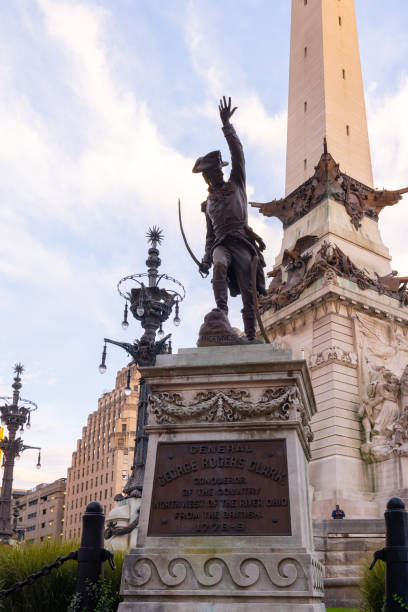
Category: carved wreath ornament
<point>222,405</point>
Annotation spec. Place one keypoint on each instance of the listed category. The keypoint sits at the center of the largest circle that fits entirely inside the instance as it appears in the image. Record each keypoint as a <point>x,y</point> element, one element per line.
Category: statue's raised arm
<point>234,143</point>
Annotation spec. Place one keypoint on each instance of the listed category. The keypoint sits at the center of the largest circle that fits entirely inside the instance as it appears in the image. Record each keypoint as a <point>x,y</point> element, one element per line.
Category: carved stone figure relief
<point>330,262</point>
<point>380,342</point>
<point>379,412</point>
<point>383,374</point>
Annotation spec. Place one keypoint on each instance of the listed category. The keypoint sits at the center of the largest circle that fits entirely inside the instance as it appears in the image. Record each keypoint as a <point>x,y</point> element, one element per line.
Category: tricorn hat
<point>211,161</point>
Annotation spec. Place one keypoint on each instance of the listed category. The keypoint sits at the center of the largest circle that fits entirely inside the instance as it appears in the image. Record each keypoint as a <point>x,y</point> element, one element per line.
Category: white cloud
<point>120,160</point>
<point>388,129</point>
<point>263,133</point>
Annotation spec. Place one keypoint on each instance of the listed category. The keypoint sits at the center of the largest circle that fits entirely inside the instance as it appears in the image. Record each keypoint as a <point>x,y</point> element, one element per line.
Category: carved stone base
<point>225,522</point>
<point>228,580</point>
<point>233,606</point>
<point>216,330</point>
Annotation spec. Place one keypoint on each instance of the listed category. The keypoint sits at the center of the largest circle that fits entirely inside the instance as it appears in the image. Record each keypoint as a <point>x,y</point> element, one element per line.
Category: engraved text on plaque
<point>220,488</point>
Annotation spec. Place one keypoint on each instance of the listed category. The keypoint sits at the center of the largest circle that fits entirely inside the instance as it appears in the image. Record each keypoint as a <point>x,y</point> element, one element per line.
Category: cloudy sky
<point>104,107</point>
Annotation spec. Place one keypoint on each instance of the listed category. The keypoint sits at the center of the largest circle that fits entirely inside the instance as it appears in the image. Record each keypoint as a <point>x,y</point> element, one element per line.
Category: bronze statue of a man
<point>230,243</point>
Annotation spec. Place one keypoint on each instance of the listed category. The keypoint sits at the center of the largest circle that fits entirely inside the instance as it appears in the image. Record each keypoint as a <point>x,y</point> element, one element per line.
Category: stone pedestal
<point>225,520</point>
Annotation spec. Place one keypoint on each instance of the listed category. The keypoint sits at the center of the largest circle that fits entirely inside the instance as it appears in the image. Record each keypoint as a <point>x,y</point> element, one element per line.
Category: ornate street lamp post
<point>15,413</point>
<point>152,306</point>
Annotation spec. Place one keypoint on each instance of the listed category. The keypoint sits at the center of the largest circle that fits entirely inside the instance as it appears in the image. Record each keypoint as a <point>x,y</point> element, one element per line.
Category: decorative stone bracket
<point>333,353</point>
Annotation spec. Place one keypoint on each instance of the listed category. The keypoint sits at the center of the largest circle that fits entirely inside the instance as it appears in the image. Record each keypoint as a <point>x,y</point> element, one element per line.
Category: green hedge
<point>49,593</point>
<point>372,587</point>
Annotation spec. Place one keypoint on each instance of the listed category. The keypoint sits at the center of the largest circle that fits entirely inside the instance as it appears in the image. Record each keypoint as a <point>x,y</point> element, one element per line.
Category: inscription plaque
<point>220,488</point>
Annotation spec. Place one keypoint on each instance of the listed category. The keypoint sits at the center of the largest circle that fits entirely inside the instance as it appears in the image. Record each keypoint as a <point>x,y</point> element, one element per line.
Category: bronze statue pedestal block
<point>225,521</point>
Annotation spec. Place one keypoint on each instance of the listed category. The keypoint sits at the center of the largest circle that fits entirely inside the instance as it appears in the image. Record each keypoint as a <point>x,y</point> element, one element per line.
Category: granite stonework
<point>355,341</point>
<point>227,406</point>
<point>341,546</point>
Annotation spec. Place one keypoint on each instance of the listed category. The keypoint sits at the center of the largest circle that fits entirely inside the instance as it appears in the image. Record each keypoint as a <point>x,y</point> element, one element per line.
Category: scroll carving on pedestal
<point>260,573</point>
<point>224,405</point>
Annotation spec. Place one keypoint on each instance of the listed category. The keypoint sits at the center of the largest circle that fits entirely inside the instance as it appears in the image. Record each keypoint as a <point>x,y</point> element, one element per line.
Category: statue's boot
<point>249,319</point>
<point>220,289</point>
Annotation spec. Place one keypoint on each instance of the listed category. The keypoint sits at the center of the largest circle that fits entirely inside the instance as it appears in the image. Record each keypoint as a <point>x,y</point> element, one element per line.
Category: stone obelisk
<point>326,96</point>
<point>333,296</point>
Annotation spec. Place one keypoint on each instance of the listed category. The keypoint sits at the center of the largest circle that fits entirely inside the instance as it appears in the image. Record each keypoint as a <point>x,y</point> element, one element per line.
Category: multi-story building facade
<point>41,511</point>
<point>103,457</point>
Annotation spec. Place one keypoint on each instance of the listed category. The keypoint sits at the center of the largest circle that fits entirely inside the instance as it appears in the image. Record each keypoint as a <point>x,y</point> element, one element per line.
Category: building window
<point>52,509</point>
<point>51,523</point>
<point>106,493</point>
<point>30,528</point>
<point>304,164</point>
<point>348,130</point>
<point>124,428</point>
<point>32,515</point>
<point>343,72</point>
<point>305,106</point>
<point>339,20</point>
<point>33,502</point>
<point>305,51</point>
<point>42,525</point>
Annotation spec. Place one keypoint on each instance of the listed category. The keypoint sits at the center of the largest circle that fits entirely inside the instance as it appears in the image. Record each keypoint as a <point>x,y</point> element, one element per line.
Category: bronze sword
<point>255,298</point>
<point>194,258</point>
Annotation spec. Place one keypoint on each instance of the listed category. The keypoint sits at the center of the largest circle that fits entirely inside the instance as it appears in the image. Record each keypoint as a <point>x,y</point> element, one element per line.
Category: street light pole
<point>151,305</point>
<point>14,416</point>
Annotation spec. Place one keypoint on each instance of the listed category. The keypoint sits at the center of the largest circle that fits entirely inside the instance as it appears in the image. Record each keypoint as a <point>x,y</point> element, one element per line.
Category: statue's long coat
<point>226,212</point>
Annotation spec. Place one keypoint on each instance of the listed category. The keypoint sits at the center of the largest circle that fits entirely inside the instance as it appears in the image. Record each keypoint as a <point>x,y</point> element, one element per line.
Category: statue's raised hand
<point>225,110</point>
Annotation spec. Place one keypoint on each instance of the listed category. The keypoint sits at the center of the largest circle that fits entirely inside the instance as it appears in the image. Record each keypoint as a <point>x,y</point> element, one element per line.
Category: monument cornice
<point>280,373</point>
<point>321,293</point>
